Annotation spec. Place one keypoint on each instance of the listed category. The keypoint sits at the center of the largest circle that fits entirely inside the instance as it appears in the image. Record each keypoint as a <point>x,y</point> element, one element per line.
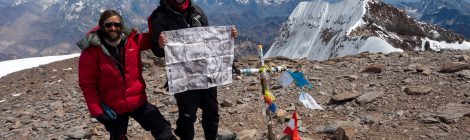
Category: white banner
<point>199,58</point>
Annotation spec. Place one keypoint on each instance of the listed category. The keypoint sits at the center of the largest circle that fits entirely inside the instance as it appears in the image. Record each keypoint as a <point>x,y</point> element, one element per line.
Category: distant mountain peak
<point>50,27</point>
<point>449,14</point>
<point>319,30</point>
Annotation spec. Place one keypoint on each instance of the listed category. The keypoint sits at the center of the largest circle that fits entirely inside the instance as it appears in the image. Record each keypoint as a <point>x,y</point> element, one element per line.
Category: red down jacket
<point>100,79</point>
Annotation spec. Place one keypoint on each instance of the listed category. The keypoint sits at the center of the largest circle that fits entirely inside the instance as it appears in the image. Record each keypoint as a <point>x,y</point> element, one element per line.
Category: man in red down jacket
<point>110,76</point>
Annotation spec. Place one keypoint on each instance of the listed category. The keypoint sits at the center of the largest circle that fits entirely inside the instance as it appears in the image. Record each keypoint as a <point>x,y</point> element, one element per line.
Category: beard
<point>113,36</point>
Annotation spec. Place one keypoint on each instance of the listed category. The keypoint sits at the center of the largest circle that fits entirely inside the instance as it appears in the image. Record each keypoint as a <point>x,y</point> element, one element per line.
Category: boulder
<point>452,112</point>
<point>369,97</point>
<point>374,68</point>
<point>452,67</point>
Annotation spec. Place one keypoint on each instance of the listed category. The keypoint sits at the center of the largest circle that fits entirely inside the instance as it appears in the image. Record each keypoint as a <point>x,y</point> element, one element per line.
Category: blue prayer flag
<point>272,107</point>
<point>300,80</point>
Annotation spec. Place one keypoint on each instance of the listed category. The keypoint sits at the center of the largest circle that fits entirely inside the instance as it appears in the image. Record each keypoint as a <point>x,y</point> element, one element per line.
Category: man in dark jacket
<point>174,15</point>
<point>110,76</point>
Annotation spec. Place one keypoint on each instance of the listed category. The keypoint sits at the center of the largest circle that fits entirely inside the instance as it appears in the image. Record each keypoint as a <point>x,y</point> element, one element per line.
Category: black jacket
<point>164,18</point>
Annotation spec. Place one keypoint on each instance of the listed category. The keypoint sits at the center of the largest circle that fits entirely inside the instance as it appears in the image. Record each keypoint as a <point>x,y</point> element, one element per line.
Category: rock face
<point>47,103</point>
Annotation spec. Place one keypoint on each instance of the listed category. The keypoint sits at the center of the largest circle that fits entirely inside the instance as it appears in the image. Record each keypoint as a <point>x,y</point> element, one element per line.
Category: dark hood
<point>167,4</point>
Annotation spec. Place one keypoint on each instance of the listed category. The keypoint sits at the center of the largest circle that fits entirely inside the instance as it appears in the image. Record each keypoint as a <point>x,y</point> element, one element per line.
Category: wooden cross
<point>263,73</point>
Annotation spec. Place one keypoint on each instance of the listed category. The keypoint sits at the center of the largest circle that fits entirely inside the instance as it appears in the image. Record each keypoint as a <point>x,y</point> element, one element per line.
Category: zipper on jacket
<point>123,75</point>
<point>117,63</point>
<point>197,20</point>
<point>183,17</point>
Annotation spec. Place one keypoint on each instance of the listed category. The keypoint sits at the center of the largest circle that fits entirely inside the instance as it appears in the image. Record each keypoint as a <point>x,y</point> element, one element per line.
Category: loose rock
<point>369,97</point>
<point>374,68</point>
<point>76,134</point>
<point>345,96</point>
<point>418,90</point>
<point>454,67</point>
<point>452,112</point>
<point>250,134</point>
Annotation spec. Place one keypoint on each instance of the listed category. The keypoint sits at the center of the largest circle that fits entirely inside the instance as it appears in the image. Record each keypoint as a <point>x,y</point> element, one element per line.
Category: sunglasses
<point>110,24</point>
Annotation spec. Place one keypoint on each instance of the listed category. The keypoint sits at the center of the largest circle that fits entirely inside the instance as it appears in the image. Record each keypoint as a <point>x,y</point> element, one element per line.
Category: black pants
<point>188,102</point>
<point>147,116</point>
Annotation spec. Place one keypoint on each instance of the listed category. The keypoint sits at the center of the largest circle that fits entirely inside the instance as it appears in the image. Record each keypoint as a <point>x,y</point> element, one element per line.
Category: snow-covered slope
<point>320,30</point>
<point>11,66</point>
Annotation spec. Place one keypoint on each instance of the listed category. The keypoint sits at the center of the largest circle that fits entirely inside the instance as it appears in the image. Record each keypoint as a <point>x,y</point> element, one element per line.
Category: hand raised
<point>234,32</point>
<point>162,41</point>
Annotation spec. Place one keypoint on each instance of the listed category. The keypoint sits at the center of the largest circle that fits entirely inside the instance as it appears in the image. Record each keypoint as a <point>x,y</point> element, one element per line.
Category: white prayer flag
<point>285,79</point>
<point>308,101</point>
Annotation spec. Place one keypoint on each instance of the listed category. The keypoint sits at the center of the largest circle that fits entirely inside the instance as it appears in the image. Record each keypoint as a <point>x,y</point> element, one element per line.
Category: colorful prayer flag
<point>285,79</point>
<point>268,97</point>
<point>308,101</point>
<point>300,80</point>
<point>272,107</point>
<point>292,128</point>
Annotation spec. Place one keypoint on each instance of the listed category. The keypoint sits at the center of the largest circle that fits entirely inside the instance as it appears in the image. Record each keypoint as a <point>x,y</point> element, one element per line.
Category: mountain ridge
<point>350,27</point>
<point>450,14</point>
<point>29,26</point>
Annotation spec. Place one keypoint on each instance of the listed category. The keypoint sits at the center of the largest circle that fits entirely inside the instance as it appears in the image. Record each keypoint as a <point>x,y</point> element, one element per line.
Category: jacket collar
<point>167,5</point>
<point>92,39</point>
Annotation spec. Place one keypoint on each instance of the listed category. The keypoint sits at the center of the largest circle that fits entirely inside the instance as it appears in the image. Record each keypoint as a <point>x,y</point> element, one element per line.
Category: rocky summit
<point>409,95</point>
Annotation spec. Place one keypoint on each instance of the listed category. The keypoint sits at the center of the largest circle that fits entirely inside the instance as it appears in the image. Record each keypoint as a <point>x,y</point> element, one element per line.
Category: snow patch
<point>6,43</point>
<point>78,6</point>
<point>19,2</point>
<point>375,45</point>
<point>243,1</point>
<point>439,45</point>
<point>11,66</point>
<point>270,2</point>
<point>47,3</point>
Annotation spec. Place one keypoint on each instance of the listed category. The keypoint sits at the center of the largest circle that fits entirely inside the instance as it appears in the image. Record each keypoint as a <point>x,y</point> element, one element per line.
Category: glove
<point>103,119</point>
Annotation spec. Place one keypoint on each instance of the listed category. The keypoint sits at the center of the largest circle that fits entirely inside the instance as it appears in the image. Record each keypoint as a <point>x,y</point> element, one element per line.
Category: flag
<point>268,97</point>
<point>300,80</point>
<point>285,79</point>
<point>292,128</point>
<point>272,107</point>
<point>308,101</point>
